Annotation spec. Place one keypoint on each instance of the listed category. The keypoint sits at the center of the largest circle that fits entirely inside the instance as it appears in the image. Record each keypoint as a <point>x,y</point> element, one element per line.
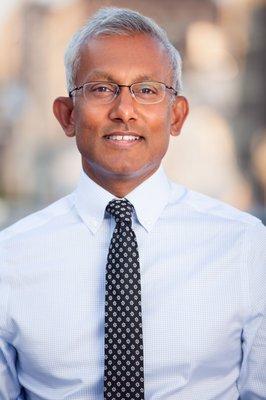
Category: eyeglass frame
<point>175,92</point>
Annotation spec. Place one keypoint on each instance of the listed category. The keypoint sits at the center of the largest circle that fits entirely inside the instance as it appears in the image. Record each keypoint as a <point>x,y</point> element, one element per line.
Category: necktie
<point>123,372</point>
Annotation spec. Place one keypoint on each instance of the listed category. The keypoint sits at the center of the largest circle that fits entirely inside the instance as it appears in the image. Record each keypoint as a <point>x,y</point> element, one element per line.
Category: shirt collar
<point>148,199</point>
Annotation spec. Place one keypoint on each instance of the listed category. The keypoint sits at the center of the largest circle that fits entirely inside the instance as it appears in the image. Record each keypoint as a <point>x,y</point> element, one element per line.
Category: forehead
<point>124,59</point>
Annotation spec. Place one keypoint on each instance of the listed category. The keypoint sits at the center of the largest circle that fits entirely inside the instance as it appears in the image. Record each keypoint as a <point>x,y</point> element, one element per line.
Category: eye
<point>146,89</point>
<point>101,88</point>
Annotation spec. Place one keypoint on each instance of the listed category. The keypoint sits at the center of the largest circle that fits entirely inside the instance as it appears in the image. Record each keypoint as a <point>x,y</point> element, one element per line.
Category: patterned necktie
<point>123,372</point>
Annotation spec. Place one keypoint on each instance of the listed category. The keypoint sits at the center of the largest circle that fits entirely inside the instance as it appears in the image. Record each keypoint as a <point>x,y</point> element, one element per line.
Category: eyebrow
<point>98,74</point>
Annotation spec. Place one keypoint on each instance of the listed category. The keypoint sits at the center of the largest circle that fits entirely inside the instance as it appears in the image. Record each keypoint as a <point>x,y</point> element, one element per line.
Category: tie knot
<point>121,210</point>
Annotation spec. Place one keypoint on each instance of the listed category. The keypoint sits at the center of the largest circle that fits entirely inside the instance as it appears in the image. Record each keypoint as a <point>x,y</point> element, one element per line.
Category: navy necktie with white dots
<point>123,370</point>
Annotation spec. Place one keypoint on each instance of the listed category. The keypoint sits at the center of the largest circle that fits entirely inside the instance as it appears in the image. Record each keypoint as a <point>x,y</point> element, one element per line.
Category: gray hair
<point>112,21</point>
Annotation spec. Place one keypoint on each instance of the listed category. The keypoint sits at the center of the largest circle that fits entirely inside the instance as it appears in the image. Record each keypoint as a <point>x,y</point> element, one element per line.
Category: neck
<point>117,184</point>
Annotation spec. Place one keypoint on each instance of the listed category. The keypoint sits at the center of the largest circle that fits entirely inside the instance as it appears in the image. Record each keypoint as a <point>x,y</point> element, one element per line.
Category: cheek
<point>88,128</point>
<point>88,118</point>
<point>160,126</point>
<point>84,124</point>
<point>161,115</point>
<point>84,128</point>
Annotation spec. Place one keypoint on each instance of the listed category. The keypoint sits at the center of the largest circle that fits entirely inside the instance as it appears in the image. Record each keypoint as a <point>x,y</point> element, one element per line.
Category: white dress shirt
<point>203,297</point>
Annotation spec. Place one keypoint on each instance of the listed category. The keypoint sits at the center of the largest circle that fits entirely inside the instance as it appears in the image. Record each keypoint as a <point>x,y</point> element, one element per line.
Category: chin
<point>125,172</point>
<point>119,171</point>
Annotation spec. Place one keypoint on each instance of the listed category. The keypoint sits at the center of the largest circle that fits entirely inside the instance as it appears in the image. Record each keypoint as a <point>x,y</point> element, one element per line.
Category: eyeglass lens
<point>105,92</point>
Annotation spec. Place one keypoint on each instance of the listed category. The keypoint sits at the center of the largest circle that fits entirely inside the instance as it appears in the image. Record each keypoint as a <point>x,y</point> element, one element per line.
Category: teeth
<point>124,137</point>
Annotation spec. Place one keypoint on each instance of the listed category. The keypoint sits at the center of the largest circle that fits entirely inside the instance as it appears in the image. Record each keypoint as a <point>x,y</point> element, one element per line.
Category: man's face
<point>123,60</point>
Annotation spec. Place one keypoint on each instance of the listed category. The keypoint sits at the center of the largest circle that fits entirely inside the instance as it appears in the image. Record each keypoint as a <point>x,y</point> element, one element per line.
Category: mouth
<point>121,138</point>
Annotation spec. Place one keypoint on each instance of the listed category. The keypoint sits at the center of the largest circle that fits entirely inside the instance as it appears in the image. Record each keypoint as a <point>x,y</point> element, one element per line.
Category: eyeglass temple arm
<point>73,90</point>
<point>171,88</point>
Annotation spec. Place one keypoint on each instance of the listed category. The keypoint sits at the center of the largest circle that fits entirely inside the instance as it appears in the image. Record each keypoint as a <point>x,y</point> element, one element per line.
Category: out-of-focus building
<point>221,43</point>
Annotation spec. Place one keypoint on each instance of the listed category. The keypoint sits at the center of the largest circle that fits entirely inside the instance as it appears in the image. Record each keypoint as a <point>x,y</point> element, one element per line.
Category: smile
<point>124,138</point>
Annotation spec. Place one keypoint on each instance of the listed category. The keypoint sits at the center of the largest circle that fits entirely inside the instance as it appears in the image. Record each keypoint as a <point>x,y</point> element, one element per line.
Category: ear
<point>63,110</point>
<point>180,109</point>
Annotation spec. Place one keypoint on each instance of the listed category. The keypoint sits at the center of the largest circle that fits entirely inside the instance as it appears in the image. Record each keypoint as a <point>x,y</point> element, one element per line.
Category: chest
<point>193,307</point>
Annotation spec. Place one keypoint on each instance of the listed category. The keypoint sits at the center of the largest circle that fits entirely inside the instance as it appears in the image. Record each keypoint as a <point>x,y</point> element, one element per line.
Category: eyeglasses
<point>106,92</point>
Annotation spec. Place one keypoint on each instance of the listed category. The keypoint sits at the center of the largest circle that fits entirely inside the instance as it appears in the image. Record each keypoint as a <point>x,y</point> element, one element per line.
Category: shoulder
<point>210,208</point>
<point>237,235</point>
<point>210,218</point>
<point>31,223</point>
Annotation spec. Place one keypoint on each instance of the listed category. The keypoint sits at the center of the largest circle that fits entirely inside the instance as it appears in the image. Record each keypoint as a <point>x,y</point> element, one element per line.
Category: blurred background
<point>222,150</point>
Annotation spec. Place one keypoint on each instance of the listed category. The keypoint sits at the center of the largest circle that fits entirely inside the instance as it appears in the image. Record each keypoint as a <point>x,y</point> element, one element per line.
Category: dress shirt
<point>203,297</point>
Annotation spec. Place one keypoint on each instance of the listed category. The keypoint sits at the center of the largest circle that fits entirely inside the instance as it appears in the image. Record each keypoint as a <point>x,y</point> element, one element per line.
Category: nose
<point>123,107</point>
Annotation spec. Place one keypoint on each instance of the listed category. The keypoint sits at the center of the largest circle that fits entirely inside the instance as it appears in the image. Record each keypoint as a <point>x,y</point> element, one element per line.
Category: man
<point>131,287</point>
